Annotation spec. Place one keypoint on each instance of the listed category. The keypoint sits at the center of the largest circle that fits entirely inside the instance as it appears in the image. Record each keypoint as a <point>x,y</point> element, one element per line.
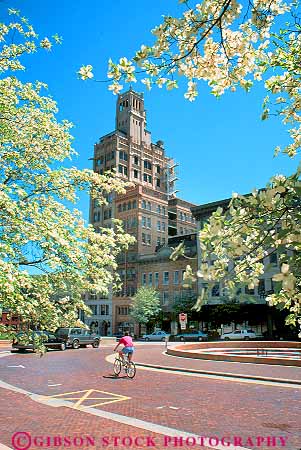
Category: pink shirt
<point>126,341</point>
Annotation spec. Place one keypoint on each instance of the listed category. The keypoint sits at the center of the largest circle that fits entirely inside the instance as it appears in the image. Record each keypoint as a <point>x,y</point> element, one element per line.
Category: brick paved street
<point>181,402</point>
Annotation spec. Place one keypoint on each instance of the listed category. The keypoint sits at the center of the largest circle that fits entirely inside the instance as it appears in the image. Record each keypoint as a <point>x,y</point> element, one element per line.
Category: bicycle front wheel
<point>117,366</point>
<point>131,370</point>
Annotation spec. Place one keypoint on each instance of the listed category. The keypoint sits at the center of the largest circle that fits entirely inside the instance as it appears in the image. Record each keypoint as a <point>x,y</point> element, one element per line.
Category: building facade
<point>150,210</point>
<point>252,302</point>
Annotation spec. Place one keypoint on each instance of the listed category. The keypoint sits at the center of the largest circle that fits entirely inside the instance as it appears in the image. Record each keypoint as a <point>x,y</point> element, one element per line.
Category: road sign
<point>183,320</point>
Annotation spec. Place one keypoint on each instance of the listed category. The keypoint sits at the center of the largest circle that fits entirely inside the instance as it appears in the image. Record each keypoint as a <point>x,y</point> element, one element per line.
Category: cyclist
<point>128,348</point>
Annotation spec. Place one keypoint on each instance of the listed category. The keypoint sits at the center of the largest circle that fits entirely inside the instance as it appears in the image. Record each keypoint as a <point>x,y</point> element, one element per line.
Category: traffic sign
<point>183,317</point>
<point>183,320</point>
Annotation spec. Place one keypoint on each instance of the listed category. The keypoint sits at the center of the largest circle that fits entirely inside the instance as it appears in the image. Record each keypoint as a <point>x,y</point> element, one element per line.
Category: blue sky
<point>221,146</point>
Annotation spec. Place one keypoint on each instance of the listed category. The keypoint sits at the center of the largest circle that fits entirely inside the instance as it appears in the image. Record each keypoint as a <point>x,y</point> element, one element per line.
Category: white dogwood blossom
<point>49,256</point>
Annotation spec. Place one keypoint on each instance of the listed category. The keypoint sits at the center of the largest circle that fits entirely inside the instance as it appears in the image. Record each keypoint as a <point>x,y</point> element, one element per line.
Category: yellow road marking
<point>91,394</point>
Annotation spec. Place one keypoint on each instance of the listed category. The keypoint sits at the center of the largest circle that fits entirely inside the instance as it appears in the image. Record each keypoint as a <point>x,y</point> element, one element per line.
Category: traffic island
<point>269,352</point>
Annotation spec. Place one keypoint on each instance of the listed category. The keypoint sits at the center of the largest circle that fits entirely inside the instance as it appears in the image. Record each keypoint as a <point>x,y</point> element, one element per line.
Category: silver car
<point>156,336</point>
<point>238,335</point>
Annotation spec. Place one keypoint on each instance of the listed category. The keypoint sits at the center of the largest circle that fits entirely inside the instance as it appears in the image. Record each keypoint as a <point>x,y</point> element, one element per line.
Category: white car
<point>239,335</point>
<point>156,336</point>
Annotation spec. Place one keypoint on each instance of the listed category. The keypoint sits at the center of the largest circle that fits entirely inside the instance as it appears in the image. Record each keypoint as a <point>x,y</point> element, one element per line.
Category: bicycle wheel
<point>117,366</point>
<point>131,370</point>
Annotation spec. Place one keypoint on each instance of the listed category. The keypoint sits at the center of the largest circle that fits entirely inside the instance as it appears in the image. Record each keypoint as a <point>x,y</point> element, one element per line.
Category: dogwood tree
<point>229,45</point>
<point>48,255</point>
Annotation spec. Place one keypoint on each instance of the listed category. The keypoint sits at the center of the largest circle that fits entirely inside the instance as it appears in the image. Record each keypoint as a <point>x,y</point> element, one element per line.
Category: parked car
<point>156,336</point>
<point>52,341</point>
<point>239,335</point>
<point>78,337</point>
<point>193,335</point>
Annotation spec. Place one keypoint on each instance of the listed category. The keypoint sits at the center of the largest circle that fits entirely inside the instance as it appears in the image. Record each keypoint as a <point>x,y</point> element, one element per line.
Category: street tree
<point>145,305</point>
<point>229,45</point>
<point>49,256</point>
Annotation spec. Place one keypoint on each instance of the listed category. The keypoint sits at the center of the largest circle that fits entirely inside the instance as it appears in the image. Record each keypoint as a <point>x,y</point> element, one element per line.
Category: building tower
<point>144,208</point>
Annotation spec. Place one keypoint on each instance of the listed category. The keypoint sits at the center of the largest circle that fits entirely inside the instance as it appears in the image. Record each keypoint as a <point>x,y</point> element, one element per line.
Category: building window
<point>163,226</point>
<point>104,310</point>
<point>159,209</point>
<point>122,169</point>
<point>215,291</point>
<point>143,221</point>
<point>123,156</point>
<point>149,222</point>
<point>143,204</point>
<point>163,241</point>
<point>92,295</point>
<point>147,165</point>
<point>158,225</point>
<point>107,214</point>
<point>156,279</point>
<point>136,160</point>
<point>165,298</point>
<point>143,279</point>
<point>123,310</point>
<point>150,279</point>
<point>134,204</point>
<point>273,258</point>
<point>143,238</point>
<point>261,288</point>
<point>158,183</point>
<point>93,309</point>
<point>148,239</point>
<point>165,278</point>
<point>135,173</point>
<point>158,169</point>
<point>249,291</point>
<point>163,211</point>
<point>176,277</point>
<point>158,240</point>
<point>149,206</point>
<point>181,230</point>
<point>147,178</point>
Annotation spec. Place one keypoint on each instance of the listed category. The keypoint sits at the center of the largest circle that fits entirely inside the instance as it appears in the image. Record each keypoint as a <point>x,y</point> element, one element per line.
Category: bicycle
<point>128,366</point>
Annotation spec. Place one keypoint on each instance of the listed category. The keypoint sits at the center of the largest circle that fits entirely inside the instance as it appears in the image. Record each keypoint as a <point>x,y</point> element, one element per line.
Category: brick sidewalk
<point>154,355</point>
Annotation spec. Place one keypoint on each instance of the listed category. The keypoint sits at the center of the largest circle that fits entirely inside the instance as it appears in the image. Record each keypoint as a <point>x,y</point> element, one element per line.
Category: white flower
<point>85,72</point>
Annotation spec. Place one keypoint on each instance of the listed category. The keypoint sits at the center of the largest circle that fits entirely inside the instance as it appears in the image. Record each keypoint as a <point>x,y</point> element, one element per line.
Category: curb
<point>222,374</point>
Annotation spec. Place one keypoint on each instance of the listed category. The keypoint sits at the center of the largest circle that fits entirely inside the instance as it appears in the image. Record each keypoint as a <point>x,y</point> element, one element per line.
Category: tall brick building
<point>150,210</point>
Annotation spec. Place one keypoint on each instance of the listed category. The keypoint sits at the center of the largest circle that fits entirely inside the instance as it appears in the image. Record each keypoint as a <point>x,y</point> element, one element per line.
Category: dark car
<point>78,337</point>
<point>50,340</point>
<point>193,335</point>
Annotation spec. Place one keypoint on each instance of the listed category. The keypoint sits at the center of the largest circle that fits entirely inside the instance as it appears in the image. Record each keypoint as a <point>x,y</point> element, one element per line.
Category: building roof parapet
<point>153,193</point>
<point>203,210</point>
<point>176,201</point>
<point>111,134</point>
<point>162,254</point>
